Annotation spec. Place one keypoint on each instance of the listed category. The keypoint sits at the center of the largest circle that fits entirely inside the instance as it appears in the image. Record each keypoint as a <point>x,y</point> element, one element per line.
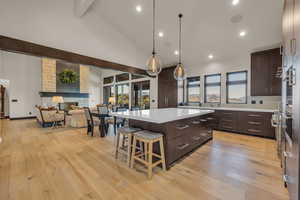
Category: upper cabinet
<point>264,66</point>
<point>167,89</point>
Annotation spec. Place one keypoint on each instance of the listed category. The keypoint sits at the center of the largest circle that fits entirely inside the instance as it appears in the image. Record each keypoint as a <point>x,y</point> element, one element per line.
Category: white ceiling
<point>207,26</point>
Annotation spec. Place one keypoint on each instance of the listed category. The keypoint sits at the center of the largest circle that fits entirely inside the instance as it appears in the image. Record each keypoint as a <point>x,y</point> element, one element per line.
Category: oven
<point>290,81</point>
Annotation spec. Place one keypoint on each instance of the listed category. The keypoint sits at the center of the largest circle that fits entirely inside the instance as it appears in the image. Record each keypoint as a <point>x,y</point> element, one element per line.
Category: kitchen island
<point>184,130</point>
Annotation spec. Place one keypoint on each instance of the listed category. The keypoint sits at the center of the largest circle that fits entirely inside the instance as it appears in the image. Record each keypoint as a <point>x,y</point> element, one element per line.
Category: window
<point>122,93</point>
<point>180,88</point>
<point>122,77</point>
<point>213,88</point>
<point>108,80</point>
<point>237,87</point>
<point>108,94</point>
<point>140,95</point>
<point>193,89</point>
<point>137,76</point>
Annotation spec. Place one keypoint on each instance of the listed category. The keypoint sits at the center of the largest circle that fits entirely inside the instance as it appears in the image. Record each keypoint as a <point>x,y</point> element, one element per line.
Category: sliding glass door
<point>122,93</point>
<point>108,93</point>
<point>140,99</point>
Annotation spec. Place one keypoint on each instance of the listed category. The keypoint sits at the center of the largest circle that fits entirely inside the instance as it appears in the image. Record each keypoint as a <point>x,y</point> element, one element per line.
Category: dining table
<point>102,129</point>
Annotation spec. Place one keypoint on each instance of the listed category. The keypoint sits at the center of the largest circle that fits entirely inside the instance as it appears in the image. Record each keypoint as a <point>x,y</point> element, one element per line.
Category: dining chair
<point>119,121</point>
<point>91,121</point>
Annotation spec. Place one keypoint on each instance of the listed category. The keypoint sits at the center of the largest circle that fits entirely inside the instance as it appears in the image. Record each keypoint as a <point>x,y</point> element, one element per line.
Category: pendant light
<point>179,72</point>
<point>153,64</point>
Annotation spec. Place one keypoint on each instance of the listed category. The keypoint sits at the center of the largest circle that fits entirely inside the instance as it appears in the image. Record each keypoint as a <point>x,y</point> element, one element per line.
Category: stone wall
<point>49,82</point>
<point>48,75</point>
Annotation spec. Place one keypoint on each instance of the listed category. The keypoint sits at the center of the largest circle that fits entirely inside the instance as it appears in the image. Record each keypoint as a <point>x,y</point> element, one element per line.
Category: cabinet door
<point>260,81</point>
<point>275,63</point>
<point>167,89</point>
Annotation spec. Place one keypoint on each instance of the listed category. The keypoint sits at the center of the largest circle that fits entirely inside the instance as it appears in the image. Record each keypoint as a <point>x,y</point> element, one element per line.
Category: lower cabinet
<point>251,123</point>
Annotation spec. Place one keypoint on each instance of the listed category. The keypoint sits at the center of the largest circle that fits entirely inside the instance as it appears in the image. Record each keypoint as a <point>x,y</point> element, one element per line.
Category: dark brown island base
<point>181,137</point>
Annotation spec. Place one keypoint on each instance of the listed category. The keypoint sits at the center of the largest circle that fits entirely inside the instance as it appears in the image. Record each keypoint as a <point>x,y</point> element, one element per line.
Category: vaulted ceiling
<point>209,26</point>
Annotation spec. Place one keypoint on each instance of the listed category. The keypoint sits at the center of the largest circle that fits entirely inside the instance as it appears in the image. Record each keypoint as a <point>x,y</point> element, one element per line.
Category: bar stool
<point>146,157</point>
<point>126,134</point>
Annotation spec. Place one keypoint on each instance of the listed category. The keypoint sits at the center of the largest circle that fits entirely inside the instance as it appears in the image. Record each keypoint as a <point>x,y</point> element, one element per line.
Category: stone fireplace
<point>52,87</point>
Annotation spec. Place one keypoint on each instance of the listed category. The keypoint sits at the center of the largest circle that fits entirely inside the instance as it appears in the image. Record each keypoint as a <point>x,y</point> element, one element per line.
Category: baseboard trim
<point>20,118</point>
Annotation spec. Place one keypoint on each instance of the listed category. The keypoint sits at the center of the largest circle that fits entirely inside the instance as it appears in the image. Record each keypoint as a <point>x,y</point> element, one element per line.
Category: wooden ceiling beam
<point>28,48</point>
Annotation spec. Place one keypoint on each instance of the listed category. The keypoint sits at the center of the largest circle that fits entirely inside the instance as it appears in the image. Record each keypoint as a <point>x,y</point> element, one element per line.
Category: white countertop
<point>228,108</point>
<point>161,115</point>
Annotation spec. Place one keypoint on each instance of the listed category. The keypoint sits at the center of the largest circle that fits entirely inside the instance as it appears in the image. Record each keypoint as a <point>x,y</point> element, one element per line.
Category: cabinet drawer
<point>200,137</point>
<point>227,126</point>
<point>179,130</point>
<point>178,147</point>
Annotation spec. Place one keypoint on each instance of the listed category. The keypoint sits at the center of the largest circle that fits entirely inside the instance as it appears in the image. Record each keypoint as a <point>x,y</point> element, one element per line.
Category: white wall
<point>95,86</point>
<point>241,63</point>
<point>53,23</point>
<point>24,75</point>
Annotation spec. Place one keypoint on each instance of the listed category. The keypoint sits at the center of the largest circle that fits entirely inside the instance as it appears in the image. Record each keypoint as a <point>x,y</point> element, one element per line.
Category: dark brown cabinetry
<point>167,89</point>
<point>251,123</point>
<point>180,136</point>
<point>264,66</point>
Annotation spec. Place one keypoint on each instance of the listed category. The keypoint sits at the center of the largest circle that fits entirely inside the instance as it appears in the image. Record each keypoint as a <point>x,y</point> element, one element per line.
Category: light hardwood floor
<point>66,164</point>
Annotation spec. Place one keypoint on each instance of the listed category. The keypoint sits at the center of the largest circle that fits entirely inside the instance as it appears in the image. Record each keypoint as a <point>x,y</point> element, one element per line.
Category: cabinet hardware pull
<point>195,122</point>
<point>227,113</point>
<point>182,127</point>
<point>181,147</point>
<point>254,115</point>
<point>254,130</point>
<point>285,178</point>
<point>196,138</point>
<point>287,154</point>
<point>288,139</point>
<point>254,123</point>
<point>227,120</point>
<point>275,125</point>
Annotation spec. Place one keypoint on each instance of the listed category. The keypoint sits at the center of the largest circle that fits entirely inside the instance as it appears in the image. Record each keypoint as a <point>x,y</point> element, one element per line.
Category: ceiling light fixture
<point>210,56</point>
<point>153,64</point>
<point>242,33</point>
<point>161,34</point>
<point>235,2</point>
<point>138,8</point>
<point>179,72</point>
<point>176,52</point>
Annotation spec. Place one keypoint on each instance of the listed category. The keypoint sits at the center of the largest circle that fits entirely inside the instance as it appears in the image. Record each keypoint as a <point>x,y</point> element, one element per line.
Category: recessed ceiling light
<point>235,2</point>
<point>210,56</point>
<point>242,33</point>
<point>138,8</point>
<point>160,34</point>
<point>176,52</point>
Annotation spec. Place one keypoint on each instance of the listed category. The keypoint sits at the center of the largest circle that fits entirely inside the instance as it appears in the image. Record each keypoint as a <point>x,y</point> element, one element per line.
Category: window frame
<point>187,88</point>
<point>117,94</point>
<point>237,83</point>
<point>112,88</point>
<point>212,84</point>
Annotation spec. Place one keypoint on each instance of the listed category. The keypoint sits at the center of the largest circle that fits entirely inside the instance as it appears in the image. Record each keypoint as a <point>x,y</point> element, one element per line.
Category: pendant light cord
<point>153,52</point>
<point>180,16</point>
